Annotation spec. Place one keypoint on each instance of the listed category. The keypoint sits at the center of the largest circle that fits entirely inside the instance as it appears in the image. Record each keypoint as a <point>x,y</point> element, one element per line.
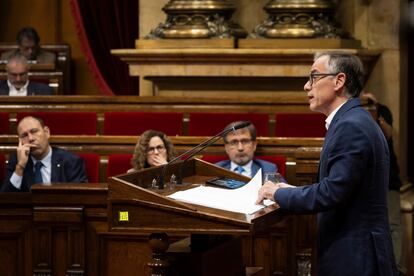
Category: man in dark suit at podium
<point>350,196</point>
<point>35,161</point>
<point>240,146</point>
<point>18,83</point>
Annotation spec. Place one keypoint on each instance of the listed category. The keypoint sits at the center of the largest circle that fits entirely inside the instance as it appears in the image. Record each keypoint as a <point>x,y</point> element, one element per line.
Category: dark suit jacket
<point>66,168</point>
<point>350,197</point>
<point>257,164</point>
<point>33,89</point>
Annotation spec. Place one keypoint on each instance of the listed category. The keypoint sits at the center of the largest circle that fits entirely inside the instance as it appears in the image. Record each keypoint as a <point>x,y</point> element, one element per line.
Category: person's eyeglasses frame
<point>312,77</point>
<point>17,75</point>
<point>235,143</point>
<point>159,148</point>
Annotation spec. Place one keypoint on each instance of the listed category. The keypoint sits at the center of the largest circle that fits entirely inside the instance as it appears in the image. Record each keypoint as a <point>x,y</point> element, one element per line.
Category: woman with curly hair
<point>153,148</point>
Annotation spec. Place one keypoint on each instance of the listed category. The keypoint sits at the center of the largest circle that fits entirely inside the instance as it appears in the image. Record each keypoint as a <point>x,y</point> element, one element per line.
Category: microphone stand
<point>191,152</point>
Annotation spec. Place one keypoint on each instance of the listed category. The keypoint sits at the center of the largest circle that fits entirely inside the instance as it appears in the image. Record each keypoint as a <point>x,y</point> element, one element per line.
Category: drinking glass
<point>273,177</point>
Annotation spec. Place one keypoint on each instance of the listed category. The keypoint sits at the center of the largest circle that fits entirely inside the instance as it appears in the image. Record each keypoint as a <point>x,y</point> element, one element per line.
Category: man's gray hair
<point>351,66</point>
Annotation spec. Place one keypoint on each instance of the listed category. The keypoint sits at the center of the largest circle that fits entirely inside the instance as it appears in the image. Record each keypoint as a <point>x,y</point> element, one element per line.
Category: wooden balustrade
<point>304,149</point>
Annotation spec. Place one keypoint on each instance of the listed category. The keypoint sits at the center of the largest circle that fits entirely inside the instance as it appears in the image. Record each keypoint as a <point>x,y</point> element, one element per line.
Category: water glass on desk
<point>273,177</point>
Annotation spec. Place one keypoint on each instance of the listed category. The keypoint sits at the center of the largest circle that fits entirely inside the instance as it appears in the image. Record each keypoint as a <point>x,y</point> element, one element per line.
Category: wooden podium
<point>204,241</point>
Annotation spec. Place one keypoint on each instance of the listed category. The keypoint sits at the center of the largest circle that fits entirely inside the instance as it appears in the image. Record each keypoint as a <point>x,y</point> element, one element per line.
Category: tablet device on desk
<point>225,182</point>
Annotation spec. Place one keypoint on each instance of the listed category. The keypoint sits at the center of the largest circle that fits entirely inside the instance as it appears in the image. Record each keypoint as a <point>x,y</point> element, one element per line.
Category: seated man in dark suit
<point>28,42</point>
<point>240,146</point>
<point>35,161</point>
<point>17,83</point>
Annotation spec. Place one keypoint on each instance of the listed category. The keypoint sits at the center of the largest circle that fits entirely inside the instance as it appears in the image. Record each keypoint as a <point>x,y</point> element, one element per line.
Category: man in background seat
<point>35,161</point>
<point>18,83</point>
<point>240,146</point>
<point>28,42</point>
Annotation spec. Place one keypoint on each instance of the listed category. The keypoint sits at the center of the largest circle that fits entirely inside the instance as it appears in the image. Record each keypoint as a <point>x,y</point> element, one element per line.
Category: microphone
<point>193,151</point>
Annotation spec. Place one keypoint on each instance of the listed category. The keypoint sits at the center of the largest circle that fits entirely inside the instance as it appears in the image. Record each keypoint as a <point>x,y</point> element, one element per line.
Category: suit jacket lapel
<point>56,167</point>
<point>255,168</point>
<point>227,165</point>
<point>351,103</point>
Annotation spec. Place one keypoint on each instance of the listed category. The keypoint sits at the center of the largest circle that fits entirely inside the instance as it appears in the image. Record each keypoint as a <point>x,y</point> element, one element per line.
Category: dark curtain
<point>103,25</point>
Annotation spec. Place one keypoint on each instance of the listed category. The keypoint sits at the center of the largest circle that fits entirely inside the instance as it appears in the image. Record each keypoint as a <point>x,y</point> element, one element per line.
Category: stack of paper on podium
<point>241,200</point>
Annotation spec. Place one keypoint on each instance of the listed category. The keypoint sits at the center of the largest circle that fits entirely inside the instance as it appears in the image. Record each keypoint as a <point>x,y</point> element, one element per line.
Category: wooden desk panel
<point>64,230</point>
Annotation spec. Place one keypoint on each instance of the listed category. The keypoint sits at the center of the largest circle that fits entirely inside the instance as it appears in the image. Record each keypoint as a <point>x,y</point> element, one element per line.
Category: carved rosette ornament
<point>198,19</point>
<point>298,19</point>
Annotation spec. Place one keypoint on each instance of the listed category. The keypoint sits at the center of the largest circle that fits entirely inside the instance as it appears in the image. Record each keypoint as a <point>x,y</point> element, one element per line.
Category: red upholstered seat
<point>66,123</point>
<point>91,165</point>
<point>118,164</point>
<point>208,124</point>
<point>300,125</point>
<point>4,123</point>
<point>135,123</point>
<point>279,160</point>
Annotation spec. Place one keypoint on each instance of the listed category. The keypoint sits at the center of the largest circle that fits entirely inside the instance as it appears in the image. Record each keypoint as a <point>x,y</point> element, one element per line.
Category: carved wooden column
<point>298,19</point>
<point>198,19</point>
<point>159,243</point>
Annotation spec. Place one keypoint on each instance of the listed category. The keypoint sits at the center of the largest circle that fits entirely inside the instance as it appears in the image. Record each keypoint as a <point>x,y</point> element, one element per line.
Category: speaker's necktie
<point>37,173</point>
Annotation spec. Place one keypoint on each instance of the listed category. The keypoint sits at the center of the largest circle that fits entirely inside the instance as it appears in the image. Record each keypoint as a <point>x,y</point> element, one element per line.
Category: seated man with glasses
<point>240,146</point>
<point>18,83</point>
<point>153,148</point>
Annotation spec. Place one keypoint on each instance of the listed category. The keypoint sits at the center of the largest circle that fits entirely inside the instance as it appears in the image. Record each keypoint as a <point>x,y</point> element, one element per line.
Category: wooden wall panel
<point>125,255</point>
<point>10,247</point>
<point>40,14</point>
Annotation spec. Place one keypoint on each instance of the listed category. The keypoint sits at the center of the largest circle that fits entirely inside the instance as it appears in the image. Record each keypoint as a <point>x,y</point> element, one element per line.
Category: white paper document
<point>241,200</point>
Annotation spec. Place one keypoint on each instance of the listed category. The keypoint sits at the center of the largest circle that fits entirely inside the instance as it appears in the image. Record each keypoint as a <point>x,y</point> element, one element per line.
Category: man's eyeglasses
<point>159,148</point>
<point>235,143</point>
<point>16,75</point>
<point>314,77</point>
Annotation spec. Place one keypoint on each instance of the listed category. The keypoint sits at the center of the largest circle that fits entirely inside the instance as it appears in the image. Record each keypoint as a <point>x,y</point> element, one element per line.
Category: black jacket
<point>66,168</point>
<point>33,89</point>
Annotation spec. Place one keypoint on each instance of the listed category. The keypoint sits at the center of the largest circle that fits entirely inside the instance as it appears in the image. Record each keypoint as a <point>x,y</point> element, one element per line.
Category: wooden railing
<point>301,154</point>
